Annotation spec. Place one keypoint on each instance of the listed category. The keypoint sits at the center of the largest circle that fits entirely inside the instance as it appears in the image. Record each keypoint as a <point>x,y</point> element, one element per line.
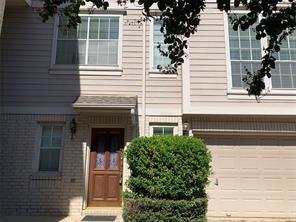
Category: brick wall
<point>22,192</point>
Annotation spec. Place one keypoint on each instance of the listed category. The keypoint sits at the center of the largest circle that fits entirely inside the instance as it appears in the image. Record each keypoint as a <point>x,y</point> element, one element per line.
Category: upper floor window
<point>94,42</point>
<point>246,53</point>
<point>158,39</point>
<point>50,148</point>
<point>284,75</point>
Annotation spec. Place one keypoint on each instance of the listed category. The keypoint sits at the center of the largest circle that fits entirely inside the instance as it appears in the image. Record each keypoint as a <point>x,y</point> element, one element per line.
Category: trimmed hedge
<point>168,167</point>
<point>150,210</point>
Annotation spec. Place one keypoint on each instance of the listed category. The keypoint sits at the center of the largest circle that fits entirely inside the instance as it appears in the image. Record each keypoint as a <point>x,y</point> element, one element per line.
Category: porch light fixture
<point>73,127</point>
<point>186,128</point>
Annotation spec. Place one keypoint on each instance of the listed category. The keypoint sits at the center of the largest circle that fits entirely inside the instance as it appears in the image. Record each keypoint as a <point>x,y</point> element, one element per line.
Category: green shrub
<point>149,210</point>
<point>168,167</point>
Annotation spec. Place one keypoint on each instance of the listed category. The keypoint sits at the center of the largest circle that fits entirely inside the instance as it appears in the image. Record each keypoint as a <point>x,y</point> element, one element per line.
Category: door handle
<point>120,179</point>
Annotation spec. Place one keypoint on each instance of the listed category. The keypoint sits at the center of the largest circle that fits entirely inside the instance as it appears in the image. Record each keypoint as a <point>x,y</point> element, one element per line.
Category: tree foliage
<point>180,19</point>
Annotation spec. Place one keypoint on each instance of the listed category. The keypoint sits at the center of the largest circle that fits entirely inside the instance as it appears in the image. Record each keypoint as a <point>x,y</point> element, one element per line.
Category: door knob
<point>120,179</point>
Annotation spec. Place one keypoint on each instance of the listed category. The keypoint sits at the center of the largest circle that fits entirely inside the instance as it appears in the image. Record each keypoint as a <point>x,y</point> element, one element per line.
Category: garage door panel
<point>272,163</point>
<point>278,206</point>
<point>252,205</point>
<point>227,204</point>
<point>248,162</point>
<point>224,162</point>
<point>229,184</point>
<point>249,184</point>
<point>289,163</point>
<point>256,177</point>
<point>273,184</point>
<point>291,185</point>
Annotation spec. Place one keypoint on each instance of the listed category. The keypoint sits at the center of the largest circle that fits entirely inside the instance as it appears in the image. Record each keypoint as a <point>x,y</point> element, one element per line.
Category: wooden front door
<point>105,172</point>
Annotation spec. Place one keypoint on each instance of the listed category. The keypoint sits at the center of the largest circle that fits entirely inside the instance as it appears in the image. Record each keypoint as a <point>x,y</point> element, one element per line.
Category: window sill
<point>46,176</point>
<point>155,73</point>
<point>85,70</point>
<point>275,94</point>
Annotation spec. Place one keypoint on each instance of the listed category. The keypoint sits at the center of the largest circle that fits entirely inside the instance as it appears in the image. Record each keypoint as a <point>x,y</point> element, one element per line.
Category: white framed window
<point>97,41</point>
<point>49,148</point>
<point>244,51</point>
<point>163,129</point>
<point>157,38</point>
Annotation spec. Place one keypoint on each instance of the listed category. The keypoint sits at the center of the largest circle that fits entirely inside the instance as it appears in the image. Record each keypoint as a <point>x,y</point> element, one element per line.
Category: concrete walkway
<point>84,218</point>
<point>40,219</point>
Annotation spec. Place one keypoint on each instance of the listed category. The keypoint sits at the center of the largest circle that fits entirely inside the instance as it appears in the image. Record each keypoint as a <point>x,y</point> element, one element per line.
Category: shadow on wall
<point>36,86</point>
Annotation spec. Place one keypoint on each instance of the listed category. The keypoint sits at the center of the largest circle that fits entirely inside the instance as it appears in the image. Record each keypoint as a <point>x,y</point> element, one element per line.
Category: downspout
<point>144,81</point>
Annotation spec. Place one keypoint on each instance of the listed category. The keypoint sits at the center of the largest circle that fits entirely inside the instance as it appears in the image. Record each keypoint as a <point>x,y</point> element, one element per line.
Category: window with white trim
<point>50,148</point>
<point>157,38</point>
<point>163,130</point>
<point>284,75</point>
<point>94,42</point>
<point>246,53</point>
<point>168,129</point>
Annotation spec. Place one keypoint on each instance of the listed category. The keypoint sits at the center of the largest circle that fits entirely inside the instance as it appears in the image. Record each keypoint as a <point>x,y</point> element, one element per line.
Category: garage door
<point>253,177</point>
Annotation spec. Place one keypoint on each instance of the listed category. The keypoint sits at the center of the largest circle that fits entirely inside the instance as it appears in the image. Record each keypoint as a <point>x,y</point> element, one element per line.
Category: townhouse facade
<point>71,100</point>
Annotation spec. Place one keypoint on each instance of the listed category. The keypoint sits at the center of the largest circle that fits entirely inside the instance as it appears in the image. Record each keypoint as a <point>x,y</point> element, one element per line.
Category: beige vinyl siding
<point>2,7</point>
<point>29,80</point>
<point>208,74</point>
<point>207,58</point>
<point>164,94</point>
<point>26,70</point>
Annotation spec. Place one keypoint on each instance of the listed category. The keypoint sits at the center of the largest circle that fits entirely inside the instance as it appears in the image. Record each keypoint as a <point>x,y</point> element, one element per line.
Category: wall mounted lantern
<point>186,127</point>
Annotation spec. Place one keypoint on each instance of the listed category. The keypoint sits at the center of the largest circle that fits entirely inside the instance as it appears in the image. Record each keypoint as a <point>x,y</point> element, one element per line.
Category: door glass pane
<point>49,159</point>
<point>113,162</point>
<point>101,143</point>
